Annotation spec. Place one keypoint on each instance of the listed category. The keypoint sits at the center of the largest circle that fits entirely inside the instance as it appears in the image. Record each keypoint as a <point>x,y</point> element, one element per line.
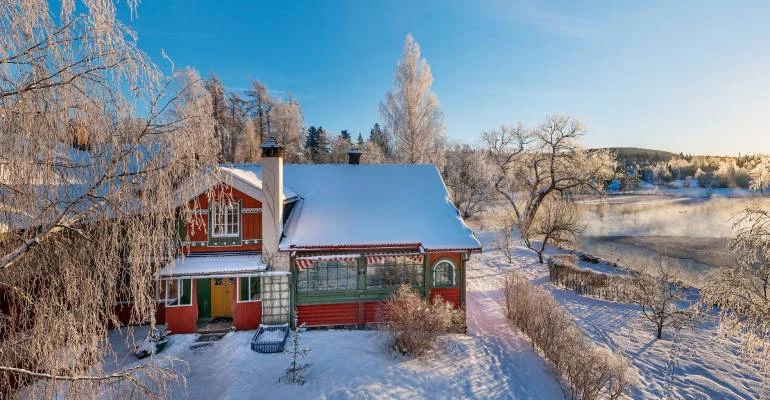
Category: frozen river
<point>689,234</point>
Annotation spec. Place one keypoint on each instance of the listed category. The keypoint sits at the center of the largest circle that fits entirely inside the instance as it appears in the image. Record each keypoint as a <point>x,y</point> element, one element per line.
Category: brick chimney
<point>354,155</point>
<point>272,187</point>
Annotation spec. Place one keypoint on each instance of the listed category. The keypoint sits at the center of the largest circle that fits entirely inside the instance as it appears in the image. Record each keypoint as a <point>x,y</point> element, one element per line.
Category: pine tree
<point>323,148</point>
<point>380,138</point>
<point>293,374</point>
<point>360,141</point>
<point>311,141</point>
<point>345,135</point>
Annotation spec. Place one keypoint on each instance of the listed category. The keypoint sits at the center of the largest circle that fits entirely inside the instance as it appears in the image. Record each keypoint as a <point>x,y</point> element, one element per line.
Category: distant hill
<point>635,154</point>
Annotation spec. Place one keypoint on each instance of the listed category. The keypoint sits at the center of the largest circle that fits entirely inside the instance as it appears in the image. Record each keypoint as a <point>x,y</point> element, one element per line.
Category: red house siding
<point>328,314</point>
<point>123,312</point>
<point>247,315</point>
<point>183,319</point>
<point>251,223</point>
<point>373,312</point>
<point>450,294</point>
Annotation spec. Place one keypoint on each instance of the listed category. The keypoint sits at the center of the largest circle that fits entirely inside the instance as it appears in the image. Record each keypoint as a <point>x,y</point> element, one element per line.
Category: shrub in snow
<point>659,295</point>
<point>293,374</point>
<point>414,323</point>
<point>583,371</point>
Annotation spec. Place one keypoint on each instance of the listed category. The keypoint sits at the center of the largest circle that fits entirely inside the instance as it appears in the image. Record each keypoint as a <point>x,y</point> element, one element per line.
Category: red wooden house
<point>331,241</point>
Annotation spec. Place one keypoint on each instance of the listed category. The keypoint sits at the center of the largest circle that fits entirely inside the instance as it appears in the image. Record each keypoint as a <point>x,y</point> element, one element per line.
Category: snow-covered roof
<point>251,174</point>
<point>214,264</point>
<point>343,205</point>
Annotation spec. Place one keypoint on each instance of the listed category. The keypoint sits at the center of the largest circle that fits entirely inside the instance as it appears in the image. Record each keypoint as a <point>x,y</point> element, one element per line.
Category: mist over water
<point>686,234</point>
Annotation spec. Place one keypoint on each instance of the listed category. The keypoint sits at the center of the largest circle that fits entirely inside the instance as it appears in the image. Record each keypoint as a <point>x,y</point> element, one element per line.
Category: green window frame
<point>176,292</point>
<point>249,289</point>
<point>394,271</point>
<point>444,274</point>
<point>328,276</point>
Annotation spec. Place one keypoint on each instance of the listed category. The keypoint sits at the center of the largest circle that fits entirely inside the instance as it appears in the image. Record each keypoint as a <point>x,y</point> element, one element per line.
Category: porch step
<point>206,340</point>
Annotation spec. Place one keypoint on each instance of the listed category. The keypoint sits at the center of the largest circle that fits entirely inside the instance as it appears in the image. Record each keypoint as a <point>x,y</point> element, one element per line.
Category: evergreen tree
<point>346,136</point>
<point>311,141</point>
<point>323,148</point>
<point>380,138</point>
<point>360,141</point>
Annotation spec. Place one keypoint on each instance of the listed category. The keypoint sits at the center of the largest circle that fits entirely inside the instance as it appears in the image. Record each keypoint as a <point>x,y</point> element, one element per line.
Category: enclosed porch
<point>215,292</point>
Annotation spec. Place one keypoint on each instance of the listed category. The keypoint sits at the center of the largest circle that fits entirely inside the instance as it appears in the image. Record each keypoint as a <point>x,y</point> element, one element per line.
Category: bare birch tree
<point>535,166</point>
<point>89,198</point>
<point>411,112</point>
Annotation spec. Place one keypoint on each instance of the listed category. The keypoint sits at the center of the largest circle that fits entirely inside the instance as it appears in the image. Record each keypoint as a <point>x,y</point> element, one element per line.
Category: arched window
<point>444,273</point>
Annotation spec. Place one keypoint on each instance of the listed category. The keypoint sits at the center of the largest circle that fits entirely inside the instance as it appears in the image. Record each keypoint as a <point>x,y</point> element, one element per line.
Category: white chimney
<point>272,187</point>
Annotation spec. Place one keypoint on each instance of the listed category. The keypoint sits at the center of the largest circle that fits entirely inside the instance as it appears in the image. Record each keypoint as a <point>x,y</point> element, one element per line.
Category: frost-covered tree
<point>258,105</point>
<point>760,175</point>
<point>372,154</point>
<point>340,146</point>
<point>248,149</point>
<point>380,138</point>
<point>468,178</point>
<point>83,228</point>
<point>659,292</point>
<point>286,126</point>
<point>742,291</point>
<point>411,112</point>
<point>533,167</point>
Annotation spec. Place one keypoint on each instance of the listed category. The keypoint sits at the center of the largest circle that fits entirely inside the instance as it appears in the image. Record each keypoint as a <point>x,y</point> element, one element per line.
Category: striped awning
<point>305,262</point>
<point>379,258</point>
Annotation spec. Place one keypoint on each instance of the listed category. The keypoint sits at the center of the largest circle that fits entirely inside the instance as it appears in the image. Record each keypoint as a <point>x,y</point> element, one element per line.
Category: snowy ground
<point>696,363</point>
<point>492,361</point>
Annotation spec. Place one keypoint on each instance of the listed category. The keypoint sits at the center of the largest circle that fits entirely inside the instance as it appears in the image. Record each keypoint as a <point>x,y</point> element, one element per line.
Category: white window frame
<point>238,289</point>
<point>454,273</point>
<point>215,208</point>
<point>179,293</point>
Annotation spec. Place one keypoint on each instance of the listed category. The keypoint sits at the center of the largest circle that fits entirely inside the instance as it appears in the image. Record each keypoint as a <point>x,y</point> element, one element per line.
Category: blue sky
<point>689,76</point>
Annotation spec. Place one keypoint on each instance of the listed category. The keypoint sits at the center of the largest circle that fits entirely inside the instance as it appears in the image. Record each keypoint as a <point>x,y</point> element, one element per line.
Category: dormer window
<point>226,220</point>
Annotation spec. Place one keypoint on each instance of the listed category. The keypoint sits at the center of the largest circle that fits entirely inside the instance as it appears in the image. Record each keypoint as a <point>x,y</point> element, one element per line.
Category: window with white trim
<point>248,289</point>
<point>176,292</point>
<point>444,273</point>
<point>226,219</point>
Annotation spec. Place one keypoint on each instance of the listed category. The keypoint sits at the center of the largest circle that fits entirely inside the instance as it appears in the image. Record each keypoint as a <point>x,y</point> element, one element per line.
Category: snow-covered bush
<point>414,323</point>
<point>584,372</point>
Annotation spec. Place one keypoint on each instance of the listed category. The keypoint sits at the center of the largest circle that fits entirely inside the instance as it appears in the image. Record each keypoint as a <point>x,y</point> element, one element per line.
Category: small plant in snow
<point>293,374</point>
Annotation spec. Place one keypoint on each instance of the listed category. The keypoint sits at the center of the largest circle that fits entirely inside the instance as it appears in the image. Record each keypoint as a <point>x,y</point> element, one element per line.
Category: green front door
<point>203,287</point>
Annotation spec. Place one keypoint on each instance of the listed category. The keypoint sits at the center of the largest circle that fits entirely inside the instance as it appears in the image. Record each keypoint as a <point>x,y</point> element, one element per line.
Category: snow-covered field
<point>696,363</point>
<point>492,361</point>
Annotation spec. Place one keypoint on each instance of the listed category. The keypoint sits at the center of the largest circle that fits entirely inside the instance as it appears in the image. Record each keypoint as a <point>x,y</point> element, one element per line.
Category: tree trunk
<point>660,331</point>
